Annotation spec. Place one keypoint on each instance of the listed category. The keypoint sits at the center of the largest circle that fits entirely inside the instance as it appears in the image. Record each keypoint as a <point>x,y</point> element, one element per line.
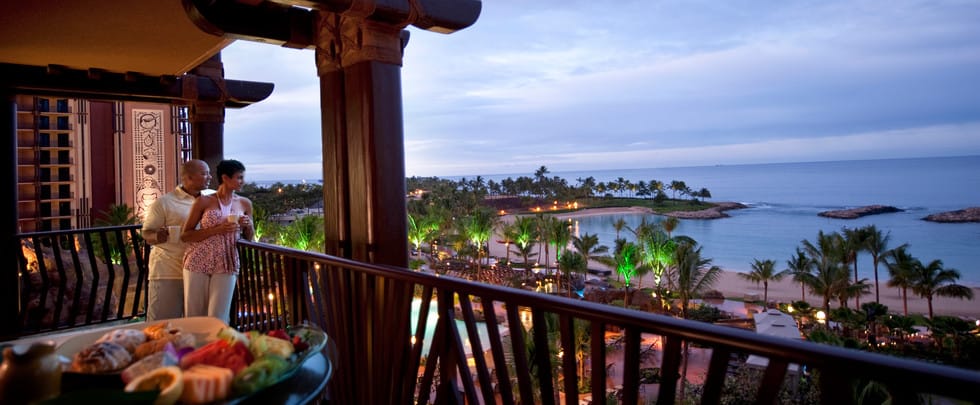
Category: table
<point>302,388</point>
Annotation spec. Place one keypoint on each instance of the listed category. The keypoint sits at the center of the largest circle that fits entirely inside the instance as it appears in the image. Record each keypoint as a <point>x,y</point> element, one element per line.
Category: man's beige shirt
<point>166,259</point>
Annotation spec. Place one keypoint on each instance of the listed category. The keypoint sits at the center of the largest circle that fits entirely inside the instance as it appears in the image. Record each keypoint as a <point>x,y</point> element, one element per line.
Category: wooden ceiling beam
<point>129,86</point>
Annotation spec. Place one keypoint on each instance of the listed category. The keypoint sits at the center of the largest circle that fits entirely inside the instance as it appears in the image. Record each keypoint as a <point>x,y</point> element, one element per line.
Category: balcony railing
<point>342,295</point>
<point>524,331</point>
<point>80,277</point>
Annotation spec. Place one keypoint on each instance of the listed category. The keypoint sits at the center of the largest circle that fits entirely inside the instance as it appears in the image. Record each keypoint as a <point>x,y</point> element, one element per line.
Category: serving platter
<point>108,386</point>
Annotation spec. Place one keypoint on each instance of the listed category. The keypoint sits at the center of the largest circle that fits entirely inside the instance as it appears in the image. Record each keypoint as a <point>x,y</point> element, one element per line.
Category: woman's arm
<point>247,222</point>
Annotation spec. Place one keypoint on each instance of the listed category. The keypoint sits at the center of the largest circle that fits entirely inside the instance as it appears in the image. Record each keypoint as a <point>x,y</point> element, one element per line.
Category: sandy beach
<point>733,286</point>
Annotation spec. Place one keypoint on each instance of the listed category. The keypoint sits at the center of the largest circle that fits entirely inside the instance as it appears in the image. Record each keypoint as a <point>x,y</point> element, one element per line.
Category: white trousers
<point>208,294</point>
<point>165,299</point>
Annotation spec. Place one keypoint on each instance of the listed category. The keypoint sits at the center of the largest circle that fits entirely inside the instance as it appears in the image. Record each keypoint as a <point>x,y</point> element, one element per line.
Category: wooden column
<point>9,282</point>
<point>207,118</point>
<point>359,62</point>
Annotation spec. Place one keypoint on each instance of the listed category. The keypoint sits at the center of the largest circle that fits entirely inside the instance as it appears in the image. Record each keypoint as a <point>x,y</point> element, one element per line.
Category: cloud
<point>581,84</point>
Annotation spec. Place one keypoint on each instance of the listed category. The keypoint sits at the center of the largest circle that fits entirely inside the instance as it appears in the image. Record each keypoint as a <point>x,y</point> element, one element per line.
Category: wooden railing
<point>98,275</point>
<point>526,368</point>
<point>80,277</point>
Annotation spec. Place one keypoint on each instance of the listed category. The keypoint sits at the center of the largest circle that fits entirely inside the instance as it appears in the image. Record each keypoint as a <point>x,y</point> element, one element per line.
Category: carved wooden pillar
<point>359,62</point>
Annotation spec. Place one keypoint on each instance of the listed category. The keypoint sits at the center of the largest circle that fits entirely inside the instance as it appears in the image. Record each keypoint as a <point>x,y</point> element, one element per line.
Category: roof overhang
<point>149,37</point>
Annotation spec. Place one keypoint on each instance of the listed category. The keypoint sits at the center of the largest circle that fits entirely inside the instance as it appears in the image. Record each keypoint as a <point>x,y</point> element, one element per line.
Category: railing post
<point>9,282</point>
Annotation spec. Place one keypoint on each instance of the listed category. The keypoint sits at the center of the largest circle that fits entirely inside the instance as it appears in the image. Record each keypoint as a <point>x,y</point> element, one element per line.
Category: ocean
<point>784,200</point>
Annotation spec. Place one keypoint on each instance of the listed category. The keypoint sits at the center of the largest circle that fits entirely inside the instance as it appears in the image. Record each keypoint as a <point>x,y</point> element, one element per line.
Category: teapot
<point>29,373</point>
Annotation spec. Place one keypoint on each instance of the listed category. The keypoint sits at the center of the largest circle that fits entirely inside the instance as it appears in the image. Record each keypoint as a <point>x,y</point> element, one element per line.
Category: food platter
<point>107,387</point>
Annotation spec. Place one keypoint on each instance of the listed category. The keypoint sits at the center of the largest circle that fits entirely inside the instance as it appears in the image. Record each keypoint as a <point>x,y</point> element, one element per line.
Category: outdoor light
<point>272,297</point>
<point>789,309</point>
<point>821,316</point>
<point>412,340</point>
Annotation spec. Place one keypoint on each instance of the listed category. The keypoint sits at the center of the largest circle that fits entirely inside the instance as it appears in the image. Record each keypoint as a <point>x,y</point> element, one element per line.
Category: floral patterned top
<point>216,253</point>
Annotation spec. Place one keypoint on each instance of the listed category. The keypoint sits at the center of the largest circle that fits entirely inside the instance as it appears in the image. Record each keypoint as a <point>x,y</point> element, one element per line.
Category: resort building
<point>76,158</point>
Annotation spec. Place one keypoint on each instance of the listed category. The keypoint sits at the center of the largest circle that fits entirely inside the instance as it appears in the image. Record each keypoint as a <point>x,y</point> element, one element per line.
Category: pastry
<point>157,330</point>
<point>102,357</point>
<point>179,340</point>
<point>127,338</point>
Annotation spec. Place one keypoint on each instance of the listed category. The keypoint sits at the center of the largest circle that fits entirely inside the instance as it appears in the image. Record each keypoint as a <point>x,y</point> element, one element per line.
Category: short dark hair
<point>229,168</point>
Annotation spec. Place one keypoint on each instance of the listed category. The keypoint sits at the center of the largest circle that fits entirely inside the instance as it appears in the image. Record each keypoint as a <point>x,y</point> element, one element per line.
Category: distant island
<point>971,214</point>
<point>854,213</point>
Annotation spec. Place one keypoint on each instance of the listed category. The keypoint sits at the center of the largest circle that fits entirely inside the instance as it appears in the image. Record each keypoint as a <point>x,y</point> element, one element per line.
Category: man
<point>161,227</point>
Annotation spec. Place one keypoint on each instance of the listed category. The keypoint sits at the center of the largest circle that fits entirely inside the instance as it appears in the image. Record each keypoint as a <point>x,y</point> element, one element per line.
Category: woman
<point>211,231</point>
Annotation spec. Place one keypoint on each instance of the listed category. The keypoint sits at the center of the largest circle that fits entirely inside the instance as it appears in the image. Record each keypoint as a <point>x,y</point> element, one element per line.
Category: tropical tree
<point>117,214</point>
<point>588,246</point>
<point>764,271</point>
<point>420,230</point>
<point>305,233</point>
<point>855,241</point>
<point>799,266</point>
<point>901,270</point>
<point>526,251</point>
<point>670,224</point>
<point>877,245</point>
<point>571,263</point>
<point>934,280</point>
<point>694,274</point>
<point>627,261</point>
<point>678,186</point>
<point>830,277</point>
<point>657,252</point>
<point>618,225</point>
<point>477,228</point>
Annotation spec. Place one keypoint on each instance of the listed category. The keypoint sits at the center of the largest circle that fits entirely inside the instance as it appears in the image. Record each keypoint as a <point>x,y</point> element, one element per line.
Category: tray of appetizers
<point>197,360</point>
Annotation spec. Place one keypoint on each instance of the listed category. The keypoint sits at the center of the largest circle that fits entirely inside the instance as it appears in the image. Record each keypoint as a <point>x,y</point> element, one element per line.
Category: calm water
<point>784,200</point>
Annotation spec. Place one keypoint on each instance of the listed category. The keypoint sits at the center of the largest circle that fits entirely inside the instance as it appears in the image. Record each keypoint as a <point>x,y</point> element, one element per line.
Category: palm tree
<point>799,266</point>
<point>694,274</point>
<point>876,244</point>
<point>571,262</point>
<point>694,277</point>
<point>657,252</point>
<point>627,260</point>
<point>829,276</point>
<point>526,251</point>
<point>763,272</point>
<point>670,224</point>
<point>934,280</point>
<point>901,268</point>
<point>420,230</point>
<point>618,225</point>
<point>855,241</point>
<point>588,246</point>
<point>478,227</point>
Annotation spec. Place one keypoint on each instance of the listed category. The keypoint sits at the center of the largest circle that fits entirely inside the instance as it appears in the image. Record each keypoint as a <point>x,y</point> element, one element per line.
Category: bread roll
<point>102,357</point>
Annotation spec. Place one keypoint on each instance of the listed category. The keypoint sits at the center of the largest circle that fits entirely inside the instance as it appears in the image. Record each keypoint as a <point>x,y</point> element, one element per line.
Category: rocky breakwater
<point>715,212</point>
<point>854,213</point>
<point>971,214</point>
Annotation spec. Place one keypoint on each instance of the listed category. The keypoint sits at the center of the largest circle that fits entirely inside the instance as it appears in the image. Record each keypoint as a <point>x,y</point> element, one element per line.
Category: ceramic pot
<point>29,373</point>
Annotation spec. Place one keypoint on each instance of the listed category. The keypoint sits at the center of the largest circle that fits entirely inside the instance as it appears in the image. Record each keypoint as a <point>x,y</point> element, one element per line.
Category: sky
<point>616,84</point>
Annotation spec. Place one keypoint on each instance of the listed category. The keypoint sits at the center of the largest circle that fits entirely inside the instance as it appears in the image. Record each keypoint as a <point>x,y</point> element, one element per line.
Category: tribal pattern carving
<point>148,158</point>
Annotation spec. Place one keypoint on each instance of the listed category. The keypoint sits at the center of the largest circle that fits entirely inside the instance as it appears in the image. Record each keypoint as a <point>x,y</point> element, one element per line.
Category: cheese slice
<point>204,384</point>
